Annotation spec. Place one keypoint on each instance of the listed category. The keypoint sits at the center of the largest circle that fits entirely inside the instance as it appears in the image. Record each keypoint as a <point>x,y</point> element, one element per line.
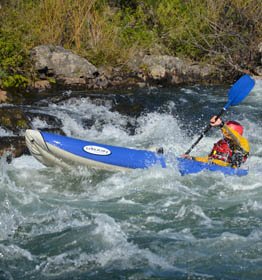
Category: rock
<point>3,96</point>
<point>258,71</point>
<point>74,72</point>
<point>141,84</point>
<point>79,81</point>
<point>65,66</point>
<point>13,119</point>
<point>12,146</point>
<point>174,70</point>
<point>158,72</point>
<point>42,85</point>
<point>126,105</point>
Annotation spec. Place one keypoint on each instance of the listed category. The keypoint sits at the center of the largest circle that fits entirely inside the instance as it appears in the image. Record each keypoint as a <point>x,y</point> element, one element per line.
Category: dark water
<point>145,224</point>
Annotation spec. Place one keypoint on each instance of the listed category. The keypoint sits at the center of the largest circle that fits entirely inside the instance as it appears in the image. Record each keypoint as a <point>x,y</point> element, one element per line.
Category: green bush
<point>178,22</point>
<point>135,30</point>
<point>11,61</point>
<point>10,54</point>
<point>16,81</point>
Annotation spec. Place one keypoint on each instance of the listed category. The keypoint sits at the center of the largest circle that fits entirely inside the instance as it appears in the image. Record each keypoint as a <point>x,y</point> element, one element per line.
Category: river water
<point>144,224</point>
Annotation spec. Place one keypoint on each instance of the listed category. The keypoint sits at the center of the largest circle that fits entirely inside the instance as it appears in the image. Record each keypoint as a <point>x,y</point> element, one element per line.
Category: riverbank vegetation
<point>225,33</point>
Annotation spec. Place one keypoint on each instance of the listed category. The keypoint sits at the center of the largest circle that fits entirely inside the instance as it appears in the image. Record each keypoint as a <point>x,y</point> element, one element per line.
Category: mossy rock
<point>12,146</point>
<point>13,119</point>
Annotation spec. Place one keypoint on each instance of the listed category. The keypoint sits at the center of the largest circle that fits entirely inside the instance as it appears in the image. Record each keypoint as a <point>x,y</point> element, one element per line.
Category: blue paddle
<point>240,89</point>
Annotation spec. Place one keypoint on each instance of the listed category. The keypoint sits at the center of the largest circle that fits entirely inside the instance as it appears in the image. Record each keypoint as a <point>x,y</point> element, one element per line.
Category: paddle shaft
<point>204,132</point>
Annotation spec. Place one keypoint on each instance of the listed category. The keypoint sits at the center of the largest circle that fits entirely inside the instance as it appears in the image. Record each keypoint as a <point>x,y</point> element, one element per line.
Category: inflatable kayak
<point>53,149</point>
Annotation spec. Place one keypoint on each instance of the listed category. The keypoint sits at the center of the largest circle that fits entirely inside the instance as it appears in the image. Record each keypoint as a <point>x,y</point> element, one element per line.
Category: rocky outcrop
<point>70,70</point>
<point>173,70</point>
<point>64,66</point>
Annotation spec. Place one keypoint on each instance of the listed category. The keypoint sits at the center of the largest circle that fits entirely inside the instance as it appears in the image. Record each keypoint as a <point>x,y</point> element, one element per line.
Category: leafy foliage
<point>10,56</point>
<point>11,60</point>
<point>15,81</point>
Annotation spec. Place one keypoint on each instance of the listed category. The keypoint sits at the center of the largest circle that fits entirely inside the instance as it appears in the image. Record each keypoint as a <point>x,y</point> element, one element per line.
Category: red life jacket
<point>222,151</point>
<point>227,152</point>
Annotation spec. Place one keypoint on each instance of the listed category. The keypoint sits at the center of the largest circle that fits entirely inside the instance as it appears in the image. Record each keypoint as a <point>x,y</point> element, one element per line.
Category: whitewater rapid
<point>144,224</point>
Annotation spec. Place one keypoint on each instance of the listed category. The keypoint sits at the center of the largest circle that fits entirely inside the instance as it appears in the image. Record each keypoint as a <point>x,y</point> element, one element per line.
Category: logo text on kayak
<point>96,150</point>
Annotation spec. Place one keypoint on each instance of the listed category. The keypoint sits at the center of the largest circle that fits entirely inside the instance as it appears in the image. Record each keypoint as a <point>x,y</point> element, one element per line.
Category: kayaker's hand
<point>214,122</point>
<point>186,156</point>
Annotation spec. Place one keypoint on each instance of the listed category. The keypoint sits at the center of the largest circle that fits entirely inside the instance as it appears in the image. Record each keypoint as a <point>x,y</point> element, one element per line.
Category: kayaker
<point>232,150</point>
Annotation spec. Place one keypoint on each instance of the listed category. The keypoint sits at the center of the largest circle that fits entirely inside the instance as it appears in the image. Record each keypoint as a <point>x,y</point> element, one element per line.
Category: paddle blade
<point>239,90</point>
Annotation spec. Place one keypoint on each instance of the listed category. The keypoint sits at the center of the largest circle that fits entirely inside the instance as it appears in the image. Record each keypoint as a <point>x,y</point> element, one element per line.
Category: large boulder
<point>175,70</point>
<point>63,65</point>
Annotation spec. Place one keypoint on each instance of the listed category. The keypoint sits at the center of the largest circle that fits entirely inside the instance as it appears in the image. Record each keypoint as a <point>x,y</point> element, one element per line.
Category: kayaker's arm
<point>201,159</point>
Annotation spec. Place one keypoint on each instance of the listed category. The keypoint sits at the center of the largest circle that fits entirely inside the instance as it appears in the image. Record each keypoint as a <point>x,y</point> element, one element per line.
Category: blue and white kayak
<point>53,149</point>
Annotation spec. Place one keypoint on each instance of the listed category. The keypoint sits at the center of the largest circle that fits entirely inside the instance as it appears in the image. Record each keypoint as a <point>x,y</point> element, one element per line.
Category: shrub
<point>11,55</point>
<point>15,81</point>
<point>11,61</point>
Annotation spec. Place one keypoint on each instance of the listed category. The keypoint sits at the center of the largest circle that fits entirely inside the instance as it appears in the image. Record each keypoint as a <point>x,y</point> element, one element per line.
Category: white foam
<point>184,234</point>
<point>251,205</point>
<point>126,201</point>
<point>38,123</point>
<point>119,250</point>
<point>27,162</point>
<point>4,132</point>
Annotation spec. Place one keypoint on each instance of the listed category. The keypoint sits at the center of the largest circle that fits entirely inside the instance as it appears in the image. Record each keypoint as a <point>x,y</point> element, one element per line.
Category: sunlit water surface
<point>144,224</point>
